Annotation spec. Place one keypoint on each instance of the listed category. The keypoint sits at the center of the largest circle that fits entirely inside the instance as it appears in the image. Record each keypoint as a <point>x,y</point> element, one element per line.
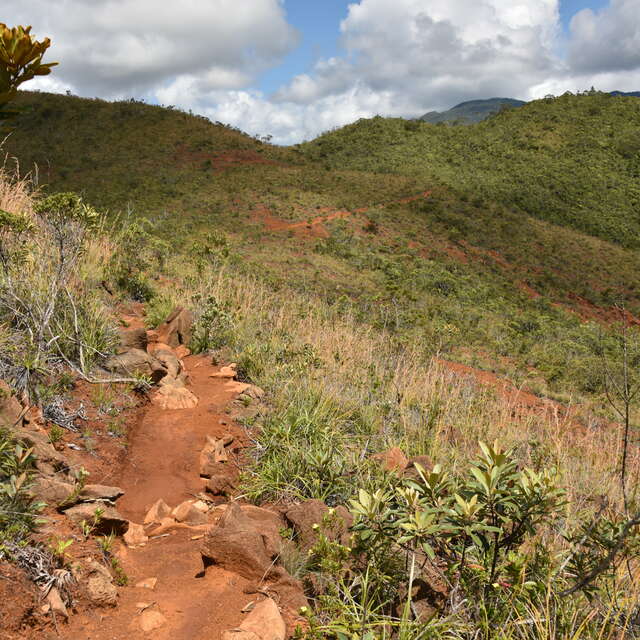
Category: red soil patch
<point>18,598</point>
<point>523,402</point>
<point>224,160</point>
<point>314,227</point>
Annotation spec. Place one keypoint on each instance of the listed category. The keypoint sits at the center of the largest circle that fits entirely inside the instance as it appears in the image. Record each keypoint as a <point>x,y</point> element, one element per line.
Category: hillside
<point>472,277</point>
<point>357,388</point>
<point>471,111</point>
<point>572,160</point>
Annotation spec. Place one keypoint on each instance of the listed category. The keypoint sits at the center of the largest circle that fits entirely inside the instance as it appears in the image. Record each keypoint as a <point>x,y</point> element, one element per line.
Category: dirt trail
<point>163,462</point>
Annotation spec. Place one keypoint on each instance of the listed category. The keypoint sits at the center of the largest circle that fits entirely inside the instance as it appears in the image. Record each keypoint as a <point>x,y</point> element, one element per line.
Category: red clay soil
<point>314,227</point>
<point>163,462</point>
<point>523,402</point>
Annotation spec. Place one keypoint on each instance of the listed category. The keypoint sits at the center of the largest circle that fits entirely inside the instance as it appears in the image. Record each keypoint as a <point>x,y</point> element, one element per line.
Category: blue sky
<point>285,68</point>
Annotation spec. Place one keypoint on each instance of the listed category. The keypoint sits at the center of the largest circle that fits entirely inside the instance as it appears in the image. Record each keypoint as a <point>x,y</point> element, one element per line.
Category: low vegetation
<point>512,519</point>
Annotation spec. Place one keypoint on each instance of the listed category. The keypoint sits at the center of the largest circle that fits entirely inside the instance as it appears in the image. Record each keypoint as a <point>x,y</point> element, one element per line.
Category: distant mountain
<point>634,94</point>
<point>471,111</point>
<point>479,110</point>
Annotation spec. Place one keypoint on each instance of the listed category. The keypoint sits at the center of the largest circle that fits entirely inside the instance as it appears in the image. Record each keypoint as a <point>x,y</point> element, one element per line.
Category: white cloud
<point>607,40</point>
<point>402,57</point>
<point>115,48</point>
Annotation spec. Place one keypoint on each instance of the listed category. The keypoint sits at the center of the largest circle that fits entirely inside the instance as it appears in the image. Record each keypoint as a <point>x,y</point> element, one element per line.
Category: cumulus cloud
<point>116,48</point>
<point>607,40</point>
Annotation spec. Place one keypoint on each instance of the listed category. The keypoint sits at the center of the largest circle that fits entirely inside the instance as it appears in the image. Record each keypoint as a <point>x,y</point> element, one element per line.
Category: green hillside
<point>572,160</point>
<point>460,272</point>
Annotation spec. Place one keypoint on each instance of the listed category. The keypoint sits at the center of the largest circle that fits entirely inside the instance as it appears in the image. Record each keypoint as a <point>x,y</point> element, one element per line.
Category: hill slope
<point>454,269</point>
<point>573,160</point>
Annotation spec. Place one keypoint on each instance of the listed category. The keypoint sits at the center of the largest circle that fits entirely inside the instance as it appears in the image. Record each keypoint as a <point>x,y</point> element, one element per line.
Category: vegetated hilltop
<point>471,111</point>
<point>448,269</point>
<point>572,160</point>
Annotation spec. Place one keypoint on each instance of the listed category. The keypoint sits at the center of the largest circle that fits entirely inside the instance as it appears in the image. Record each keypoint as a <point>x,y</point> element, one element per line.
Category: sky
<point>295,68</point>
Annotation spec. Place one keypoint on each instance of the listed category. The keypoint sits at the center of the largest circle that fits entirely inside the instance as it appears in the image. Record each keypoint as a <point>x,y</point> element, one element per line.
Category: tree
<point>20,60</point>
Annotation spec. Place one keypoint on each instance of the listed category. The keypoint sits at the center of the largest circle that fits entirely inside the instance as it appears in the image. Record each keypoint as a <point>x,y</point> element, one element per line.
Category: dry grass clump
<point>16,191</point>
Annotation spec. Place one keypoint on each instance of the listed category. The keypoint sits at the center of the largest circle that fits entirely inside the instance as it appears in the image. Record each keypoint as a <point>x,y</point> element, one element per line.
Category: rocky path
<point>170,594</point>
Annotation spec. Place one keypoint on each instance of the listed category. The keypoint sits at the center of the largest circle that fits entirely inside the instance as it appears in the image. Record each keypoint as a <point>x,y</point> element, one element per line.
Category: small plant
<point>213,326</point>
<point>89,526</point>
<point>59,548</point>
<point>56,433</point>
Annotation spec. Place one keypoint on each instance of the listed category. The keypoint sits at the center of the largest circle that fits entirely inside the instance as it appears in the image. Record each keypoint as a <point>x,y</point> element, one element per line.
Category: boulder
<point>174,395</point>
<point>99,585</point>
<point>52,491</point>
<point>92,492</point>
<point>170,361</point>
<point>136,362</point>
<point>189,514</point>
<point>10,408</point>
<point>135,535</point>
<point>177,328</point>
<point>305,516</point>
<point>392,460</point>
<point>238,545</point>
<point>132,339</point>
<point>264,622</point>
<point>158,511</point>
<point>108,521</point>
<point>256,393</point>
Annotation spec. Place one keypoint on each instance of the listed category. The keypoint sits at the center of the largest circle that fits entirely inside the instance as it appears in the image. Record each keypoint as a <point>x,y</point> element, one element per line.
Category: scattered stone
<point>254,392</point>
<point>177,328</point>
<point>182,352</point>
<point>237,634</point>
<point>56,604</point>
<point>135,535</point>
<point>92,492</point>
<point>220,485</point>
<point>237,545</point>
<point>100,587</point>
<point>305,516</point>
<point>147,583</point>
<point>157,512</point>
<point>136,362</point>
<point>150,620</point>
<point>264,621</point>
<point>174,395</point>
<point>189,514</point>
<point>213,453</point>
<point>132,339</point>
<point>228,371</point>
<point>48,460</point>
<point>108,521</point>
<point>392,460</point>
<point>52,491</point>
<point>201,505</point>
